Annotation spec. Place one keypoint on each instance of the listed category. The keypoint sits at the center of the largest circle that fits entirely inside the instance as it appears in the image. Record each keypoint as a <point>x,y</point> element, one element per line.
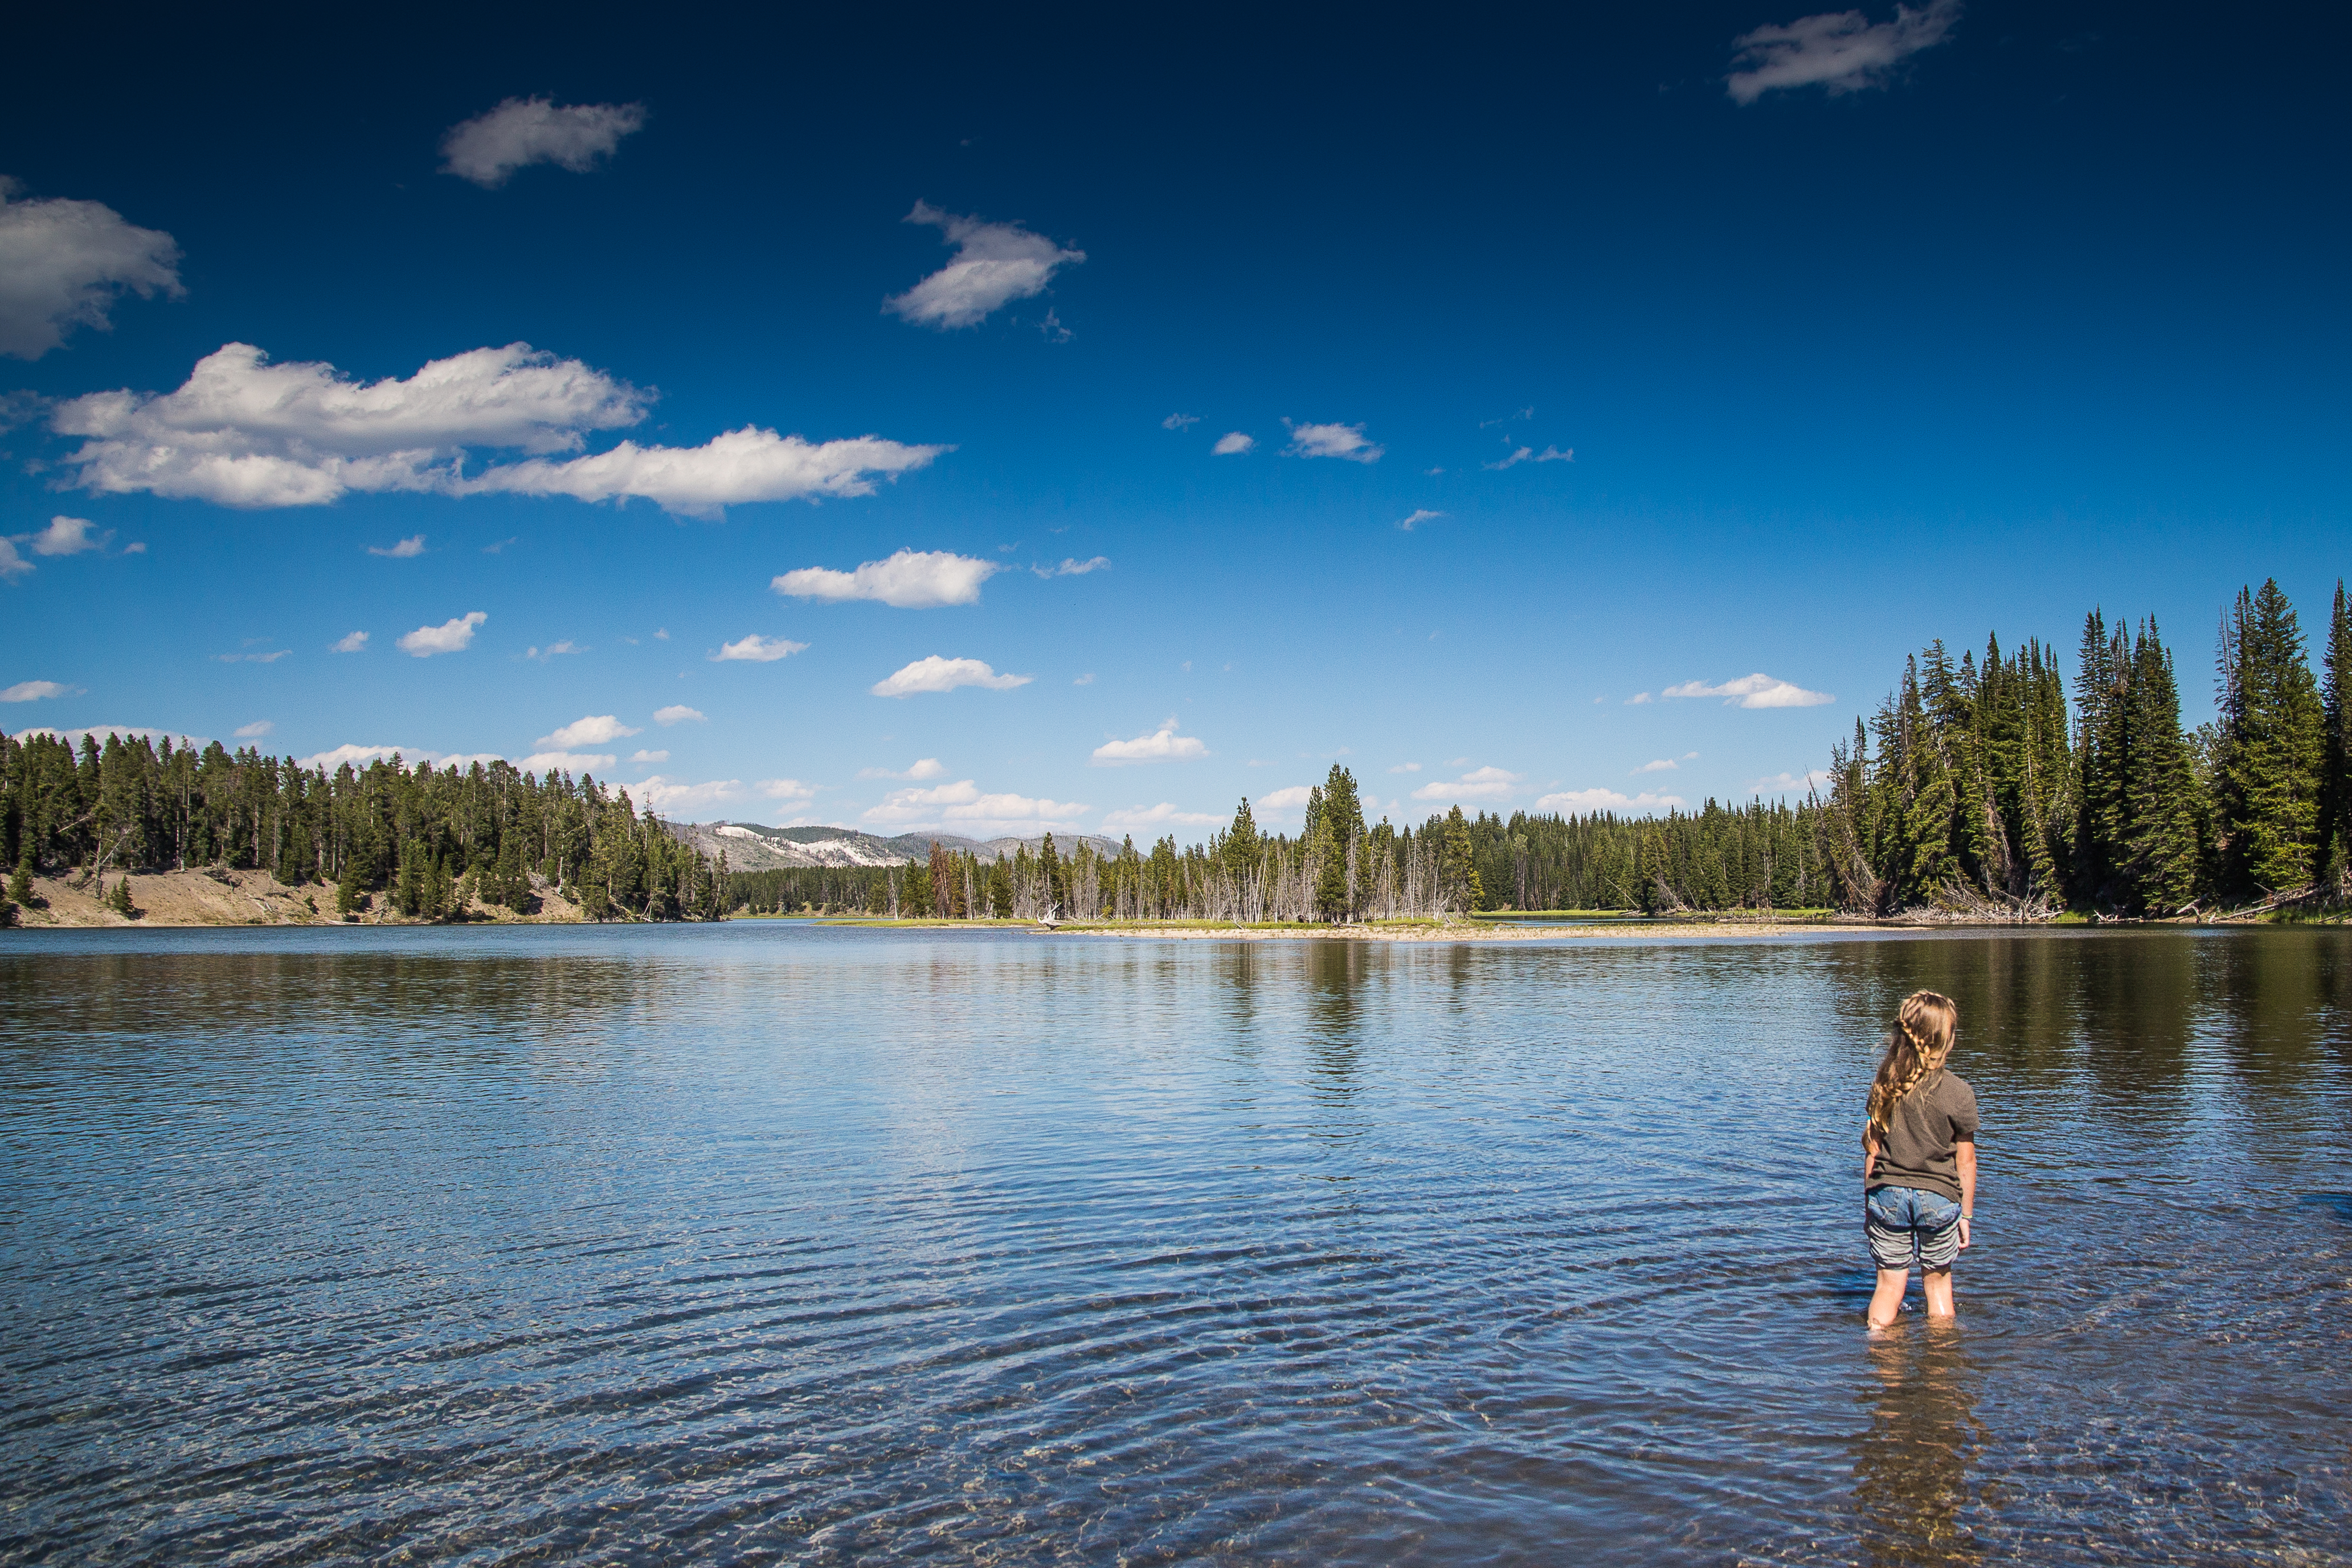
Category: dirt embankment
<point>214,896</point>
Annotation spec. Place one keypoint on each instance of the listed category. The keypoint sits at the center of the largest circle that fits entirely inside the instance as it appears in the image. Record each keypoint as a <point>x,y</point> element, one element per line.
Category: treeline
<point>429,841</point>
<point>1977,788</point>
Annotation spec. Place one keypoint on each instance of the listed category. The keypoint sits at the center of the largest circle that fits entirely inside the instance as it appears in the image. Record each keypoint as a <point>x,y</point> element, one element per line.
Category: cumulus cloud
<point>1478,784</point>
<point>1072,566</point>
<point>1788,783</point>
<point>1283,802</point>
<point>1085,680</point>
<point>934,674</point>
<point>1421,515</point>
<point>243,432</point>
<point>1164,815</point>
<point>1233,444</point>
<point>1638,698</point>
<point>406,549</point>
<point>522,132</point>
<point>929,767</point>
<point>351,643</point>
<point>963,807</point>
<point>64,536</point>
<point>553,650</point>
<point>676,713</point>
<point>32,691</point>
<point>1331,440</point>
<point>1666,764</point>
<point>1406,767</point>
<point>1585,803</point>
<point>452,636</point>
<point>358,756</point>
<point>1758,690</point>
<point>12,564</point>
<point>255,730</point>
<point>675,797</point>
<point>63,264</point>
<point>756,650</point>
<point>910,579</point>
<point>1838,51</point>
<point>562,761</point>
<point>1162,745</point>
<point>1180,422</point>
<point>1529,454</point>
<point>994,264</point>
<point>650,757</point>
<point>595,729</point>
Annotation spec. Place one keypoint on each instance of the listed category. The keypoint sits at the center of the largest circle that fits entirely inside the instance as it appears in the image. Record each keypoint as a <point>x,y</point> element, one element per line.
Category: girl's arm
<point>1870,1159</point>
<point>1965,1154</point>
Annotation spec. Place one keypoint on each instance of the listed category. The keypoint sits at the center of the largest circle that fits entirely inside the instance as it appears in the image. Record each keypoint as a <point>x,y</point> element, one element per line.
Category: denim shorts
<point>1909,1227</point>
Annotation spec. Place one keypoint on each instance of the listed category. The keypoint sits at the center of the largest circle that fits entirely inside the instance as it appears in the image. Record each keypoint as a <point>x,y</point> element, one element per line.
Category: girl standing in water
<point>1918,1159</point>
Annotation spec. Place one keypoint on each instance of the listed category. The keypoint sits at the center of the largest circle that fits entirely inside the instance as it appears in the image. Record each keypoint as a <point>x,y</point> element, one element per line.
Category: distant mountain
<point>753,846</point>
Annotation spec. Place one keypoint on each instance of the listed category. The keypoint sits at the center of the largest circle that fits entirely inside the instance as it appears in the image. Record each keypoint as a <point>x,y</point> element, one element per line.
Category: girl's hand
<point>1964,1233</point>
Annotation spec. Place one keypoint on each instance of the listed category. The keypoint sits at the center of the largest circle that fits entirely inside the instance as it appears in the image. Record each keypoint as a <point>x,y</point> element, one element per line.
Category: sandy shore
<point>1467,931</point>
<point>220,897</point>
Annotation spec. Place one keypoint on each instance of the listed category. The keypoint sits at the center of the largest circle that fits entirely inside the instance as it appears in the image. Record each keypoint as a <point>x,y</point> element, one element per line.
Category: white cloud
<point>595,729</point>
<point>929,767</point>
<point>1162,745</point>
<point>1788,783</point>
<point>673,797</point>
<point>1283,803</point>
<point>562,761</point>
<point>676,713</point>
<point>1839,51</point>
<point>253,731</point>
<point>1663,765</point>
<point>1085,680</point>
<point>650,757</point>
<point>11,563</point>
<point>1180,422</point>
<point>1638,698</point>
<point>406,549</point>
<point>934,674</point>
<point>351,643</point>
<point>242,431</point>
<point>1072,567</point>
<point>64,536</point>
<point>99,732</point>
<point>451,636</point>
<point>1758,690</point>
<point>553,650</point>
<point>962,808</point>
<point>1585,803</point>
<point>756,650</point>
<point>910,579</point>
<point>1406,767</point>
<point>1421,515</point>
<point>1479,784</point>
<point>1331,440</point>
<point>269,658</point>
<point>1233,444</point>
<point>64,263</point>
<point>994,264</point>
<point>1161,816</point>
<point>32,691</point>
<point>1529,454</point>
<point>522,132</point>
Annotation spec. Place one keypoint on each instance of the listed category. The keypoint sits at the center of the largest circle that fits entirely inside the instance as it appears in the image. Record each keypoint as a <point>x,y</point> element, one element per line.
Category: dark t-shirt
<point>1923,1135</point>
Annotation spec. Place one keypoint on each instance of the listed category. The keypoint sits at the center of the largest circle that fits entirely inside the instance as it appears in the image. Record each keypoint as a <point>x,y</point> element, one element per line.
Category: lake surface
<point>764,1243</point>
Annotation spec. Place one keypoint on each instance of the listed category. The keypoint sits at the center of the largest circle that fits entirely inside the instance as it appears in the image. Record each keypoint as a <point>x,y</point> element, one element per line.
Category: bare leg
<point>1938,1284</point>
<point>1887,1302</point>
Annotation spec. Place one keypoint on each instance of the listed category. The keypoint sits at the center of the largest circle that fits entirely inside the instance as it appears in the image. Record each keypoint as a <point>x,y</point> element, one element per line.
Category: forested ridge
<point>1980,786</point>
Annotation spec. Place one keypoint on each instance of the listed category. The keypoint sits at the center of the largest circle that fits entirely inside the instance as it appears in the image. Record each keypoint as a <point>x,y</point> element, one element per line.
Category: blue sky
<point>1822,334</point>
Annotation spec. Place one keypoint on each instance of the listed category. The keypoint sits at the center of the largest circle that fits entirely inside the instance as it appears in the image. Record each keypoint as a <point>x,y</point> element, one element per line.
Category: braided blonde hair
<point>1915,1047</point>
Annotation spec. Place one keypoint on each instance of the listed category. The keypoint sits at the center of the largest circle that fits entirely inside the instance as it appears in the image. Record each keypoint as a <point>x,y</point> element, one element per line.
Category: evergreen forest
<point>1980,788</point>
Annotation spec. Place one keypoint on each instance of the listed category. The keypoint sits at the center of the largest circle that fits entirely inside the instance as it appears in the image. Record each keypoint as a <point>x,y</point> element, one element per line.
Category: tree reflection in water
<point>1911,1468</point>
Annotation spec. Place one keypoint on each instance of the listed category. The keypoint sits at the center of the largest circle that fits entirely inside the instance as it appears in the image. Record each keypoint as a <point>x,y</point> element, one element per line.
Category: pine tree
<point>20,886</point>
<point>2272,747</point>
<point>1457,866</point>
<point>915,899</point>
<point>1243,847</point>
<point>2336,824</point>
<point>2159,848</point>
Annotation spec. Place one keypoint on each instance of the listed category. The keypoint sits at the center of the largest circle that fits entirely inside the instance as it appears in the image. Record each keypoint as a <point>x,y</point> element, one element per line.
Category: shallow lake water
<point>767,1242</point>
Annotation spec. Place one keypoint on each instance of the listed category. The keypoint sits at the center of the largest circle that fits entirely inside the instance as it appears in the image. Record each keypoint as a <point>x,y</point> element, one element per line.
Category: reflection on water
<point>760,1243</point>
